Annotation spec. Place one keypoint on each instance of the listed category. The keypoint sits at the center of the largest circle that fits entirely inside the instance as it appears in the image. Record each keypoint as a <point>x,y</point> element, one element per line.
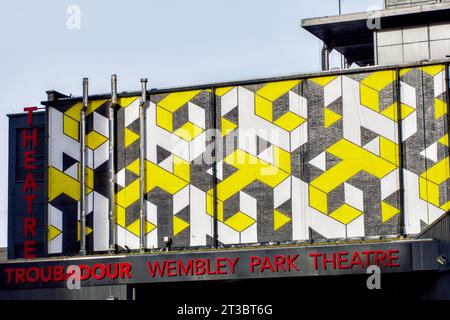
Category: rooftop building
<point>404,31</point>
<point>346,170</point>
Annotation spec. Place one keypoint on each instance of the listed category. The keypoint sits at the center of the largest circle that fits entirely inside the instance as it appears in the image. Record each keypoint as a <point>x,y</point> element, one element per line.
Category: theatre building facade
<point>313,181</point>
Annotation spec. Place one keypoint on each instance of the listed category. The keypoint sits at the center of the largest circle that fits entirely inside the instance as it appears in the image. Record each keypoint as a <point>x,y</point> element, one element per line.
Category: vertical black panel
<point>17,206</point>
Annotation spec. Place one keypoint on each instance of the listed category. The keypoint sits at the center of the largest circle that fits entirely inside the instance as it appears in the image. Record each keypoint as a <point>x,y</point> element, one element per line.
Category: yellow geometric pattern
<point>135,227</point>
<point>331,117</point>
<point>126,101</point>
<point>440,108</point>
<point>134,167</point>
<point>371,86</point>
<point>323,81</point>
<point>222,91</point>
<point>74,112</point>
<point>430,182</point>
<point>188,131</point>
<point>181,168</point>
<point>156,177</point>
<point>250,168</point>
<point>267,95</point>
<point>53,232</point>
<point>279,220</point>
<point>433,70</point>
<point>95,140</point>
<point>60,183</point>
<point>444,140</point>
<point>388,211</point>
<point>350,154</point>
<point>71,128</point>
<point>345,214</point>
<point>179,225</point>
<point>391,111</point>
<point>240,221</point>
<point>67,182</point>
<point>176,100</point>
<point>389,151</point>
<point>227,127</point>
<point>88,230</point>
<point>130,137</point>
<point>165,114</point>
<point>289,121</point>
<point>354,160</point>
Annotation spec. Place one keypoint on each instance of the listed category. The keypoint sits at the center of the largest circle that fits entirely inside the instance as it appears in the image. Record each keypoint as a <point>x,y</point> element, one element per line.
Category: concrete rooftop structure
<point>358,35</point>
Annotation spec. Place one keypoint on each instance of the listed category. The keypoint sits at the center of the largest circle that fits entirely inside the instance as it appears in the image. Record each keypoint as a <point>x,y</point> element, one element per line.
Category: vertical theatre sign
<point>30,187</point>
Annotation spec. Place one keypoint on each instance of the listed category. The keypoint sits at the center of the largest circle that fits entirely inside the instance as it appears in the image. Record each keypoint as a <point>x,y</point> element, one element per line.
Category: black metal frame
<point>401,153</point>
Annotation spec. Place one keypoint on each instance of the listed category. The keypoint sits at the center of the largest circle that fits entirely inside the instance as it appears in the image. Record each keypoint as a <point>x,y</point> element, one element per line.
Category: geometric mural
<point>426,141</point>
<point>64,177</point>
<point>311,158</point>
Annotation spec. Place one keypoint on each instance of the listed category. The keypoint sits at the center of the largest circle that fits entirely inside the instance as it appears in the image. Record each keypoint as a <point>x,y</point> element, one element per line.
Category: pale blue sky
<point>171,42</point>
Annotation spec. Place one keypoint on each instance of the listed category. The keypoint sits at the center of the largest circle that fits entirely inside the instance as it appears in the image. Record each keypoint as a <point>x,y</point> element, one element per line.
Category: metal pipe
<point>214,168</point>
<point>325,57</point>
<point>375,45</point>
<point>447,93</point>
<point>142,164</point>
<point>347,63</point>
<point>112,170</point>
<point>401,153</point>
<point>83,167</point>
<point>343,65</point>
<point>48,151</point>
<point>114,89</point>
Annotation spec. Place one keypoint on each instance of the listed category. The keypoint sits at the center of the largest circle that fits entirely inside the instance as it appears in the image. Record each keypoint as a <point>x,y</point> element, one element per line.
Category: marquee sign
<point>30,188</point>
<point>393,257</point>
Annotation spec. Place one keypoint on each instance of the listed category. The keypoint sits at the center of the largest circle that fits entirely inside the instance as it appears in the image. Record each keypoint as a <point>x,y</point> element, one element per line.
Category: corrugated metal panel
<point>440,230</point>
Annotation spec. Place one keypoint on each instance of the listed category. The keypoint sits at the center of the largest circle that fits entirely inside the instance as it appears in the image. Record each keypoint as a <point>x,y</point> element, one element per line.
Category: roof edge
<point>254,81</point>
<point>385,13</point>
<point>21,114</point>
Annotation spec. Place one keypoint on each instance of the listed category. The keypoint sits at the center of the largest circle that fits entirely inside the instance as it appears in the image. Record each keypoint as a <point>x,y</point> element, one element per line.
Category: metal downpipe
<point>143,102</point>
<point>112,170</point>
<point>325,57</point>
<point>83,167</point>
<point>401,153</point>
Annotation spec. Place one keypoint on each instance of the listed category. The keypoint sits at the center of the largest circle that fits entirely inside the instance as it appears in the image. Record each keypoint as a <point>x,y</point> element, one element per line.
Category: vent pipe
<point>143,102</point>
<point>325,58</point>
<point>112,170</point>
<point>83,167</point>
